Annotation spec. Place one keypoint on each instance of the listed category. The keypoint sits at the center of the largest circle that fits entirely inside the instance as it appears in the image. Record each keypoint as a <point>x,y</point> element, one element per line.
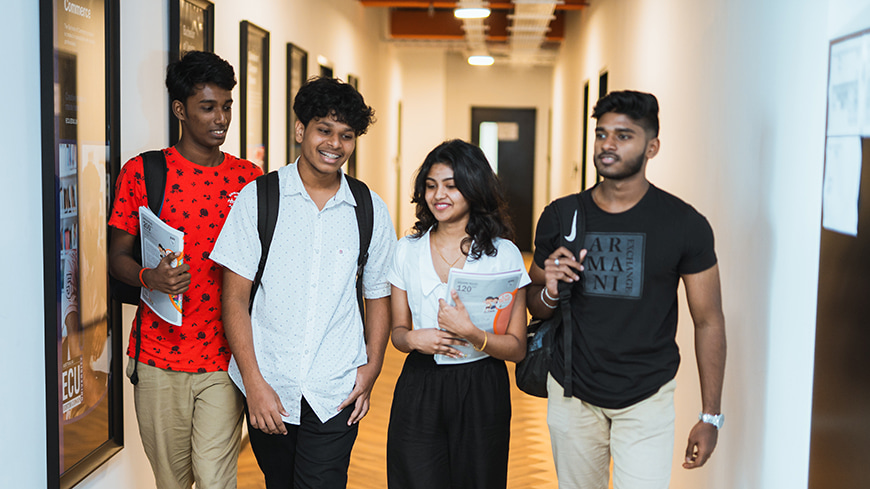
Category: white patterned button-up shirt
<point>307,330</point>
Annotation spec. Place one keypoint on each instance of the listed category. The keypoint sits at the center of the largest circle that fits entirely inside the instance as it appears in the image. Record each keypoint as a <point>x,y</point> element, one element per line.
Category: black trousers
<point>449,425</point>
<point>312,455</point>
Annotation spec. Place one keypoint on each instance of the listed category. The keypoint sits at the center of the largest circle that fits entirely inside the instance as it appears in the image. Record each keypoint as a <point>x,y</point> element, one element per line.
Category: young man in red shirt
<point>188,409</point>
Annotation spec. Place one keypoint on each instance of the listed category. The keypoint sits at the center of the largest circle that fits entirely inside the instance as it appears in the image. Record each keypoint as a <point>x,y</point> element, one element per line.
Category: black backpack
<point>531,373</point>
<point>154,169</point>
<point>154,174</point>
<point>268,195</point>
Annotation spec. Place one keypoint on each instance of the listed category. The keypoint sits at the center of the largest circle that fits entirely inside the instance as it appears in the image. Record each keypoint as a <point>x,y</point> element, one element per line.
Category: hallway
<point>530,464</point>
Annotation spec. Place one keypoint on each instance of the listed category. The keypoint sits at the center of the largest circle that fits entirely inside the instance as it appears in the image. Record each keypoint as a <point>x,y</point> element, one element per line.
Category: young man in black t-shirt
<point>639,242</point>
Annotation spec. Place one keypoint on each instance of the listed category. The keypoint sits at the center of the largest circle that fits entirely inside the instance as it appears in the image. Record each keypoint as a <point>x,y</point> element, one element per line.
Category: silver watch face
<point>716,420</point>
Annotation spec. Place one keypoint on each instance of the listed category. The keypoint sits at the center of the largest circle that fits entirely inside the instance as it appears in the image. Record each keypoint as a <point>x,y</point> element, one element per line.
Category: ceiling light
<point>480,60</point>
<point>471,13</point>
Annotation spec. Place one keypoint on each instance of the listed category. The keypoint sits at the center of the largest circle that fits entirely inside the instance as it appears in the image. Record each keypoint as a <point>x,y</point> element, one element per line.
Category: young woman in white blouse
<point>450,418</point>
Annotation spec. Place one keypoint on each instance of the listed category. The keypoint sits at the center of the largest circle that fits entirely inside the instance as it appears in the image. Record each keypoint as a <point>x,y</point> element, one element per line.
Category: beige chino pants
<point>640,438</point>
<point>191,426</point>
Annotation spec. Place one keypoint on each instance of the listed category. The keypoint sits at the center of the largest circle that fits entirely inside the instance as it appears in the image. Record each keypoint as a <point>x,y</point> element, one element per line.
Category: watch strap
<point>716,420</point>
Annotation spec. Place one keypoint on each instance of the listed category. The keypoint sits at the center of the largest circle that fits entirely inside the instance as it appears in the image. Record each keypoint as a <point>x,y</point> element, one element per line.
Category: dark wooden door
<point>516,164</point>
<point>840,434</point>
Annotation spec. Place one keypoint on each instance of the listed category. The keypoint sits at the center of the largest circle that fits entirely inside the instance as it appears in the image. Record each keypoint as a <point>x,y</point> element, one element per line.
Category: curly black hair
<point>322,96</point>
<point>473,176</point>
<point>642,108</point>
<point>197,68</point>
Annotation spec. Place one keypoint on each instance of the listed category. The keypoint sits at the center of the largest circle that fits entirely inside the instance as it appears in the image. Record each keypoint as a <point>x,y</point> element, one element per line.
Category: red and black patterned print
<point>197,201</point>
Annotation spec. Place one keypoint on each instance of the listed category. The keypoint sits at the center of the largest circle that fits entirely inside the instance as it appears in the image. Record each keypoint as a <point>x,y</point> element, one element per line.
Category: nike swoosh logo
<point>570,238</point>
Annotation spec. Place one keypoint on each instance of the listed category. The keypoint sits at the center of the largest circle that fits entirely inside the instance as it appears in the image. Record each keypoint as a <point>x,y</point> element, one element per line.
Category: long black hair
<point>488,218</point>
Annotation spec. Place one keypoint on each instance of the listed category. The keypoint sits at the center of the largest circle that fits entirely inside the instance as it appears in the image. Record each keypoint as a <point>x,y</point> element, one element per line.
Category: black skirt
<point>449,425</point>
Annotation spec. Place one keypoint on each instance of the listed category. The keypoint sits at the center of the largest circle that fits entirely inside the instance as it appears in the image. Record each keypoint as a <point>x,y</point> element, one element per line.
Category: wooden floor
<point>530,464</point>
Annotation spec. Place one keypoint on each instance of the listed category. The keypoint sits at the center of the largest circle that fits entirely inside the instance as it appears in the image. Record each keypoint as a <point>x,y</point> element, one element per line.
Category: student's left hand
<point>455,319</point>
<point>361,393</point>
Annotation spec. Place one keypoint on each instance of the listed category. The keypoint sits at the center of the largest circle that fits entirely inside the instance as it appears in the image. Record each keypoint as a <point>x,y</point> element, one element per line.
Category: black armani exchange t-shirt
<point>625,316</point>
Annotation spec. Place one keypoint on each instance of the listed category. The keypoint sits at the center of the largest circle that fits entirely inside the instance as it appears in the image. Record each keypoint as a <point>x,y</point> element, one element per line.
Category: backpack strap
<point>365,221</point>
<point>572,224</point>
<point>268,196</point>
<point>154,174</point>
<point>154,167</point>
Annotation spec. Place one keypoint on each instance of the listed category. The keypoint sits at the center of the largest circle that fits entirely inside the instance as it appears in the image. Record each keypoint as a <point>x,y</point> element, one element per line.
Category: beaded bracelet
<point>544,290</point>
<point>142,280</point>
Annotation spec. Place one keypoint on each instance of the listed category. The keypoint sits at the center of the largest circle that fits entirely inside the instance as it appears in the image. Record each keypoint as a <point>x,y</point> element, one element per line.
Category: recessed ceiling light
<point>471,13</point>
<point>480,60</point>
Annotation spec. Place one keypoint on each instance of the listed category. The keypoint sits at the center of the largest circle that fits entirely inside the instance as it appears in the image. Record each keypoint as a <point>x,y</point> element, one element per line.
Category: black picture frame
<point>602,91</point>
<point>191,28</point>
<point>353,81</point>
<point>297,73</point>
<point>79,61</point>
<point>585,138</point>
<point>254,91</point>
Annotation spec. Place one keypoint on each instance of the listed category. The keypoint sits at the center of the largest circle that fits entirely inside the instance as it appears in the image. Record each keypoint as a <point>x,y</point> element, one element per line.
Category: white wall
<point>352,47</point>
<point>501,86</point>
<point>424,97</point>
<point>22,451</point>
<point>567,125</point>
<point>438,90</point>
<point>342,30</point>
<point>348,36</point>
<point>847,17</point>
<point>742,91</point>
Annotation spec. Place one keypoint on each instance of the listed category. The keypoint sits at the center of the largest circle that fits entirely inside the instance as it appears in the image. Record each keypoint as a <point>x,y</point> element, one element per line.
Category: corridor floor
<point>530,464</point>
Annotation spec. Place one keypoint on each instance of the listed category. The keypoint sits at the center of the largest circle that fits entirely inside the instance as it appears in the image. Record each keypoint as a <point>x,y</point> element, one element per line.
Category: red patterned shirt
<point>196,201</point>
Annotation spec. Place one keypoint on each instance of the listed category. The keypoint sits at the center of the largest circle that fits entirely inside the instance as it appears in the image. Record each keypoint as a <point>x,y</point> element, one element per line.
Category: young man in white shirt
<point>303,357</point>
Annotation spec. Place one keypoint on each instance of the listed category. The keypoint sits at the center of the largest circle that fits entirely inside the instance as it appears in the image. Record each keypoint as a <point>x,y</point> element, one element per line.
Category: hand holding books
<point>433,341</point>
<point>170,276</point>
<point>477,305</point>
<point>455,320</point>
<point>165,277</point>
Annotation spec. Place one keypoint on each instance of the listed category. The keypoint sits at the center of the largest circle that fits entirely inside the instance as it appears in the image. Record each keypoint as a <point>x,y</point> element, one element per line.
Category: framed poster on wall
<point>80,126</point>
<point>602,91</point>
<point>297,73</point>
<point>254,88</point>
<point>191,28</point>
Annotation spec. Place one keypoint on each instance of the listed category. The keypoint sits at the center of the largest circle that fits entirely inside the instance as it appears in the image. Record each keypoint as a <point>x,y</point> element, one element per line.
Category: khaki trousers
<point>640,438</point>
<point>191,426</point>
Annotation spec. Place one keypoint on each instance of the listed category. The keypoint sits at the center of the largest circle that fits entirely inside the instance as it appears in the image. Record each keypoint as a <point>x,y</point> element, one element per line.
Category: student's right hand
<point>167,279</point>
<point>433,341</point>
<point>561,266</point>
<point>265,408</point>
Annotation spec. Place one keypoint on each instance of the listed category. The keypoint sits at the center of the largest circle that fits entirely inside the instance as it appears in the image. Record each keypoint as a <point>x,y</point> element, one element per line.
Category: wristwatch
<point>716,420</point>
